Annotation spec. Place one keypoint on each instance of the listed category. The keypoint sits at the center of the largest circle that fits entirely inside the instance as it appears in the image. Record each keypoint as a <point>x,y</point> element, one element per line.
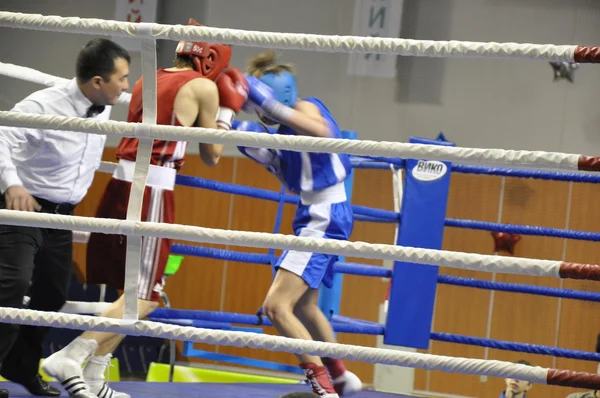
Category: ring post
<point>413,287</point>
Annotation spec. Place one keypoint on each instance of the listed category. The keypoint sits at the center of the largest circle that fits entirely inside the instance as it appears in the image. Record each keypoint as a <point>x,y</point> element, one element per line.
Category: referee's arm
<point>16,198</point>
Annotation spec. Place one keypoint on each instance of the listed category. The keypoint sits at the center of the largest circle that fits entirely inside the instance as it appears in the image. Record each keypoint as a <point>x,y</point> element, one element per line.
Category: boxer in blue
<point>324,212</point>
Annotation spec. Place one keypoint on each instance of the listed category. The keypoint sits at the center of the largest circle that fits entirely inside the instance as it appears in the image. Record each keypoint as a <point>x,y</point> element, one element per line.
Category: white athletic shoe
<point>106,392</point>
<point>68,373</point>
<point>65,366</point>
<point>93,374</point>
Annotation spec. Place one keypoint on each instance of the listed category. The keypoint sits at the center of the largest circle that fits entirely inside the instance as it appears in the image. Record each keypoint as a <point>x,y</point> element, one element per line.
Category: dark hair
<point>97,58</point>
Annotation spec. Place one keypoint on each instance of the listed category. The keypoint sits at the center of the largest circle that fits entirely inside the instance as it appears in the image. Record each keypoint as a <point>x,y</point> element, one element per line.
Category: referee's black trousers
<point>36,262</point>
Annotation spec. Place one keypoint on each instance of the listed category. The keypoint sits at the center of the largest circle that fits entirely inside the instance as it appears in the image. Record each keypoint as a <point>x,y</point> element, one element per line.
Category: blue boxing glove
<point>261,99</point>
<point>247,125</point>
<point>258,92</point>
<point>269,158</point>
<point>263,156</point>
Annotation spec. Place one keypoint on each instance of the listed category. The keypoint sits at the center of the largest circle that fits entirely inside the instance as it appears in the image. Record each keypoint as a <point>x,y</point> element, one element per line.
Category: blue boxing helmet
<point>283,85</point>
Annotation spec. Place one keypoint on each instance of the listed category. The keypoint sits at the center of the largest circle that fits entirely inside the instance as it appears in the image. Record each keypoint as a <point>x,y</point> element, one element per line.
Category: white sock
<point>93,373</point>
<point>79,349</point>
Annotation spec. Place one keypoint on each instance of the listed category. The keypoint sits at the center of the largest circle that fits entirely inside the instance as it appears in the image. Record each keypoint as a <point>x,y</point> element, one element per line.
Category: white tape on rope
<point>142,165</point>
<point>127,227</point>
<point>107,167</point>
<point>81,237</point>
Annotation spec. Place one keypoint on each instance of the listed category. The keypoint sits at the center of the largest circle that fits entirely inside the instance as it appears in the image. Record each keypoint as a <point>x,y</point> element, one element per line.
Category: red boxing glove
<point>233,93</point>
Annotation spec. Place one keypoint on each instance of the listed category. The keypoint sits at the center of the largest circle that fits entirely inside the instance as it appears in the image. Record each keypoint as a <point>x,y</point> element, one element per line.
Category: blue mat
<point>217,390</point>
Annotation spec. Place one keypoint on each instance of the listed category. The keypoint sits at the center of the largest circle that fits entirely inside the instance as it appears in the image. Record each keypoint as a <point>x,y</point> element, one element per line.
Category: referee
<point>49,171</point>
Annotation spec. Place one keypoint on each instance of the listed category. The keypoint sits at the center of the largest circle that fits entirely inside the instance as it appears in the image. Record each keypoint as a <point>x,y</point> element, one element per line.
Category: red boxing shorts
<point>106,252</point>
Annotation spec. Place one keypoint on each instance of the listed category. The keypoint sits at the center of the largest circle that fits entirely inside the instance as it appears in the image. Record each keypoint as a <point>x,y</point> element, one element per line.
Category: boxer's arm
<point>207,96</point>
<point>264,156</point>
<point>305,118</point>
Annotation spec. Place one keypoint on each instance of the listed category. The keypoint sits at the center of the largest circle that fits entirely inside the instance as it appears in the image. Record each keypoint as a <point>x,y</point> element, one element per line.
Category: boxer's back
<point>168,84</point>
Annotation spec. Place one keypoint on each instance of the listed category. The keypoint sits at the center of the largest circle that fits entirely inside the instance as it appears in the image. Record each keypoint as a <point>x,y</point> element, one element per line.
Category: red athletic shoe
<point>318,378</point>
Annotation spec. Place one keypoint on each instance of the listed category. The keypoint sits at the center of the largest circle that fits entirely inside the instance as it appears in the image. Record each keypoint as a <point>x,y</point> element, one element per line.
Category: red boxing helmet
<point>209,59</point>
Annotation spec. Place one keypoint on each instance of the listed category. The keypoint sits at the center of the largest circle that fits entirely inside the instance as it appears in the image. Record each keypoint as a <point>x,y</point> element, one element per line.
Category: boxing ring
<point>212,327</point>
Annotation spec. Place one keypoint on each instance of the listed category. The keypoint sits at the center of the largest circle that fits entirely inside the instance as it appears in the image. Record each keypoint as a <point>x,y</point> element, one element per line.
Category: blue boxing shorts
<point>321,220</point>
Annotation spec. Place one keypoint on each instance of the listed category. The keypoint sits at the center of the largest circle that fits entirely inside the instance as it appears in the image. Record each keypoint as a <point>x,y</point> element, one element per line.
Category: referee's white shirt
<point>58,166</point>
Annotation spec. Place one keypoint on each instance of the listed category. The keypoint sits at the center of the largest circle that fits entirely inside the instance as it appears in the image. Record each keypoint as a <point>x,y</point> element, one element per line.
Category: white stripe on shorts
<point>150,247</point>
<point>320,217</point>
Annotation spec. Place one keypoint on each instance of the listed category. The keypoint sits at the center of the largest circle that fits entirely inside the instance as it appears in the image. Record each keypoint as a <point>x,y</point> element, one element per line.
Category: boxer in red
<point>199,90</point>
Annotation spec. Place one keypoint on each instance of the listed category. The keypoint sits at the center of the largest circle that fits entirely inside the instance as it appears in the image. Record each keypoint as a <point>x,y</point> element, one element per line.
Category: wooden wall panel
<point>544,204</point>
<point>461,310</point>
<point>362,296</point>
<point>516,317</point>
<point>247,284</point>
<point>579,324</point>
<point>197,284</point>
<point>540,203</point>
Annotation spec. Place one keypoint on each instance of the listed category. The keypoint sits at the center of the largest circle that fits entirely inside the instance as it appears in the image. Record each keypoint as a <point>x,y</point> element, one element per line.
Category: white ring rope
<point>528,159</point>
<point>275,343</point>
<point>35,76</point>
<point>297,41</point>
<point>30,75</point>
<point>443,258</point>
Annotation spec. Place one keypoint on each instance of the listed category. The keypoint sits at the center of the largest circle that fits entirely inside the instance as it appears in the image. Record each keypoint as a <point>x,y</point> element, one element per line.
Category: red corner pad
<point>587,54</point>
<point>588,163</point>
<point>569,378</point>
<point>580,271</point>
